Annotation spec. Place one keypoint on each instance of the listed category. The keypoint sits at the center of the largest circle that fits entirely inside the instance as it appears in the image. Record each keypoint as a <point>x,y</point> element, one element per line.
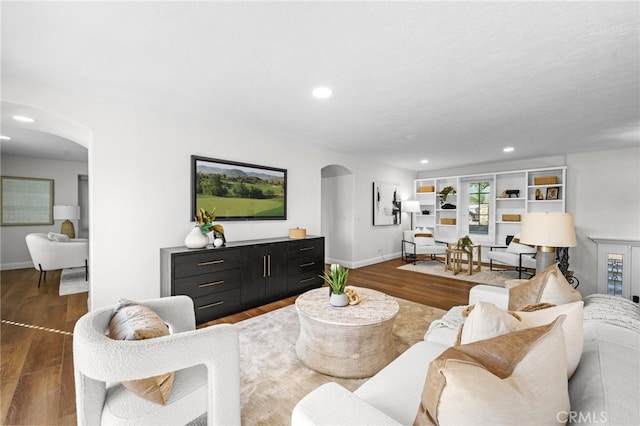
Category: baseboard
<point>16,265</point>
<point>364,262</point>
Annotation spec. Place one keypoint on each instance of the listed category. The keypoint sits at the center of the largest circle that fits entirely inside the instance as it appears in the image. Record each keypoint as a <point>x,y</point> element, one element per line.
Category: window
<point>479,196</point>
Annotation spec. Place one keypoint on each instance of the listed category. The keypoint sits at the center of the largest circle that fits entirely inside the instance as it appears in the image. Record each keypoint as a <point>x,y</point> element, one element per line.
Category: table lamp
<point>411,207</point>
<point>547,231</point>
<point>67,213</point>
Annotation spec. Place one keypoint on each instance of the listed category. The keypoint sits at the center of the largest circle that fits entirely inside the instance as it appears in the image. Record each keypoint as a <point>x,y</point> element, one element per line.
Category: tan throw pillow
<point>558,290</point>
<point>486,321</point>
<point>133,321</point>
<point>529,292</point>
<point>517,378</point>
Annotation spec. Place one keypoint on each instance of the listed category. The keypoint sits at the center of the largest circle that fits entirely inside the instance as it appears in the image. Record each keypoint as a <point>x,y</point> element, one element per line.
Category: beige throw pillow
<point>558,290</point>
<point>549,286</point>
<point>486,321</point>
<point>517,378</point>
<point>132,321</point>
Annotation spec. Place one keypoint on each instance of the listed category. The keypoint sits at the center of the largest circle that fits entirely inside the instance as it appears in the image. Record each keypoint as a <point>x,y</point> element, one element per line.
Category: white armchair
<point>48,255</point>
<point>518,255</point>
<point>420,243</point>
<point>206,364</point>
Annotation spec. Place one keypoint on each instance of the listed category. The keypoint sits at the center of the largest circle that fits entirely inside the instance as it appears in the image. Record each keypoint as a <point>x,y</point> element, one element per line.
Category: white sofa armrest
<point>499,296</point>
<point>331,404</point>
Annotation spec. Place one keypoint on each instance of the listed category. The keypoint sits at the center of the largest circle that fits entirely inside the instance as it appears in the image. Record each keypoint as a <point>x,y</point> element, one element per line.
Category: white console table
<point>618,267</point>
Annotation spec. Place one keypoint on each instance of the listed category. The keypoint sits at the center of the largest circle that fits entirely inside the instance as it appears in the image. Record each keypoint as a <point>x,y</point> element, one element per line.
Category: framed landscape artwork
<point>26,201</point>
<point>552,193</point>
<point>386,204</point>
<point>238,191</point>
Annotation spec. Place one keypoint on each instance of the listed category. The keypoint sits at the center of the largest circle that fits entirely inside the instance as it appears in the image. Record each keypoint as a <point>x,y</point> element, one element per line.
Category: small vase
<point>196,239</point>
<point>339,300</point>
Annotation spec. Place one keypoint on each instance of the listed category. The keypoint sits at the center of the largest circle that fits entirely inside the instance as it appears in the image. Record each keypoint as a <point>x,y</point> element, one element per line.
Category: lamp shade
<point>548,229</point>
<point>64,212</point>
<point>411,206</point>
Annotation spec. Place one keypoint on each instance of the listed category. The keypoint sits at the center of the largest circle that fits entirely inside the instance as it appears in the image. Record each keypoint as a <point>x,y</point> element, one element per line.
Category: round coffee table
<point>354,341</point>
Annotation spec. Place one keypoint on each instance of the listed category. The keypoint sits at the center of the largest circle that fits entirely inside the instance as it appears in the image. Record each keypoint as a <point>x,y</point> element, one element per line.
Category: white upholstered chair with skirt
<point>206,363</point>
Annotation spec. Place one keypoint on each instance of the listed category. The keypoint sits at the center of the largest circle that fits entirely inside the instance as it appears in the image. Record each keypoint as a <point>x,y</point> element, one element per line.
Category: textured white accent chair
<point>206,362</point>
<point>518,255</point>
<point>419,244</point>
<point>49,255</point>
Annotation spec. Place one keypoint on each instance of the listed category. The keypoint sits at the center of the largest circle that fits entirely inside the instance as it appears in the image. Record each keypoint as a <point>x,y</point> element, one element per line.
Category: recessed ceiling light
<point>322,92</point>
<point>508,149</point>
<point>424,161</point>
<point>23,118</point>
<point>5,138</point>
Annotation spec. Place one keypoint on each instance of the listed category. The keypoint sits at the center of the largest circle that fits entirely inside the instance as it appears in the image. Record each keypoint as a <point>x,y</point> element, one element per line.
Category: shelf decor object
<point>545,180</point>
<point>67,213</point>
<point>511,218</point>
<point>547,231</point>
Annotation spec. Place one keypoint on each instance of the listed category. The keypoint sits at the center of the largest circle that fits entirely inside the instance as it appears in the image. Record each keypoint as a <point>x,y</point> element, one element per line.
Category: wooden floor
<point>37,366</point>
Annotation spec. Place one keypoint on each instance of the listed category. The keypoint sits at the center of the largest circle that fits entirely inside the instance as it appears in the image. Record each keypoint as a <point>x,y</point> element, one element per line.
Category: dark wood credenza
<point>242,274</point>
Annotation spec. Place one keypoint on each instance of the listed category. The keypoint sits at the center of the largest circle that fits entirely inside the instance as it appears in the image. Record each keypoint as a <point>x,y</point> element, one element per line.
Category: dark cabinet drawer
<point>301,282</point>
<point>306,265</point>
<point>200,285</point>
<point>216,305</point>
<point>306,248</point>
<point>206,262</point>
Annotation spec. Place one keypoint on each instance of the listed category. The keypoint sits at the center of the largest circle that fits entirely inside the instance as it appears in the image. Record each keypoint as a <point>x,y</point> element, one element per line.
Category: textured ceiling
<point>453,82</point>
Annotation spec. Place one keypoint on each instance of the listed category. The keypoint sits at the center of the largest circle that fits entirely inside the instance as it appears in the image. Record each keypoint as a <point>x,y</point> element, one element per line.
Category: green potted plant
<point>445,192</point>
<point>465,244</point>
<point>337,278</point>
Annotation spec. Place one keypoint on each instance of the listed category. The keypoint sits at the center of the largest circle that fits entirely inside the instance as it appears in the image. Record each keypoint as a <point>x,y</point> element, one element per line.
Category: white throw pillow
<point>516,247</point>
<point>424,237</point>
<point>486,321</point>
<point>558,291</point>
<point>61,238</point>
<point>517,378</point>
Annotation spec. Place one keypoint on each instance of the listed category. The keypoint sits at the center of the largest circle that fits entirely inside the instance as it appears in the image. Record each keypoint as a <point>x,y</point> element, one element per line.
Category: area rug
<point>72,281</point>
<point>432,267</point>
<point>273,380</point>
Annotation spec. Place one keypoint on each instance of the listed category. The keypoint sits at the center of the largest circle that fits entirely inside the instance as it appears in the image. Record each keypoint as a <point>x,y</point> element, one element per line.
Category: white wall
<point>139,185</point>
<point>14,254</point>
<point>603,193</point>
<point>337,219</point>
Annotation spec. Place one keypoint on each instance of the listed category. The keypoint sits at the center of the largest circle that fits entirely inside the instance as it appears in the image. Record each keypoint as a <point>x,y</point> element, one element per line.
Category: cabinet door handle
<point>210,284</point>
<point>269,265</point>
<point>264,266</point>
<point>306,248</point>
<point>212,262</point>
<point>210,305</point>
<point>307,264</point>
<point>306,280</point>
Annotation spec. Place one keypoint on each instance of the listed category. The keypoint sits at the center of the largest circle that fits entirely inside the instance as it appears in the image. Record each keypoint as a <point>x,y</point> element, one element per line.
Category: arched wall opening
<point>337,214</point>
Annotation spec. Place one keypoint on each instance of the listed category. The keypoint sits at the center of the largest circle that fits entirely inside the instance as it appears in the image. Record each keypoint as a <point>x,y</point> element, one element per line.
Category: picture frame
<point>238,191</point>
<point>552,193</point>
<point>386,204</point>
<point>26,201</point>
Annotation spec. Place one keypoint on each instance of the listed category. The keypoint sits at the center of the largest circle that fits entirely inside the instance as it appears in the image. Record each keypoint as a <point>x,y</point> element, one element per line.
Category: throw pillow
<point>133,321</point>
<point>423,237</point>
<point>558,290</point>
<point>487,321</point>
<point>60,238</point>
<point>517,378</point>
<point>516,247</point>
<point>529,292</point>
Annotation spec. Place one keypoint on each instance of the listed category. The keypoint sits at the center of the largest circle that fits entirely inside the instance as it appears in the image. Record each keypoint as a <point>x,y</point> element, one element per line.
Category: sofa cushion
<point>500,381</point>
<point>487,321</point>
<point>424,237</point>
<point>395,390</point>
<point>557,289</point>
<point>549,286</point>
<point>133,321</point>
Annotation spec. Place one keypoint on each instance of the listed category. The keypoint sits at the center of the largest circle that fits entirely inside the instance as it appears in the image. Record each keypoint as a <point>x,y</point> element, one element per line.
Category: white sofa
<point>603,390</point>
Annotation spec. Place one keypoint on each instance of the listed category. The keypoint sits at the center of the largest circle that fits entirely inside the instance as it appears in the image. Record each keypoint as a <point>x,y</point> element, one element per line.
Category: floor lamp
<point>67,213</point>
<point>411,207</point>
<point>547,231</point>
